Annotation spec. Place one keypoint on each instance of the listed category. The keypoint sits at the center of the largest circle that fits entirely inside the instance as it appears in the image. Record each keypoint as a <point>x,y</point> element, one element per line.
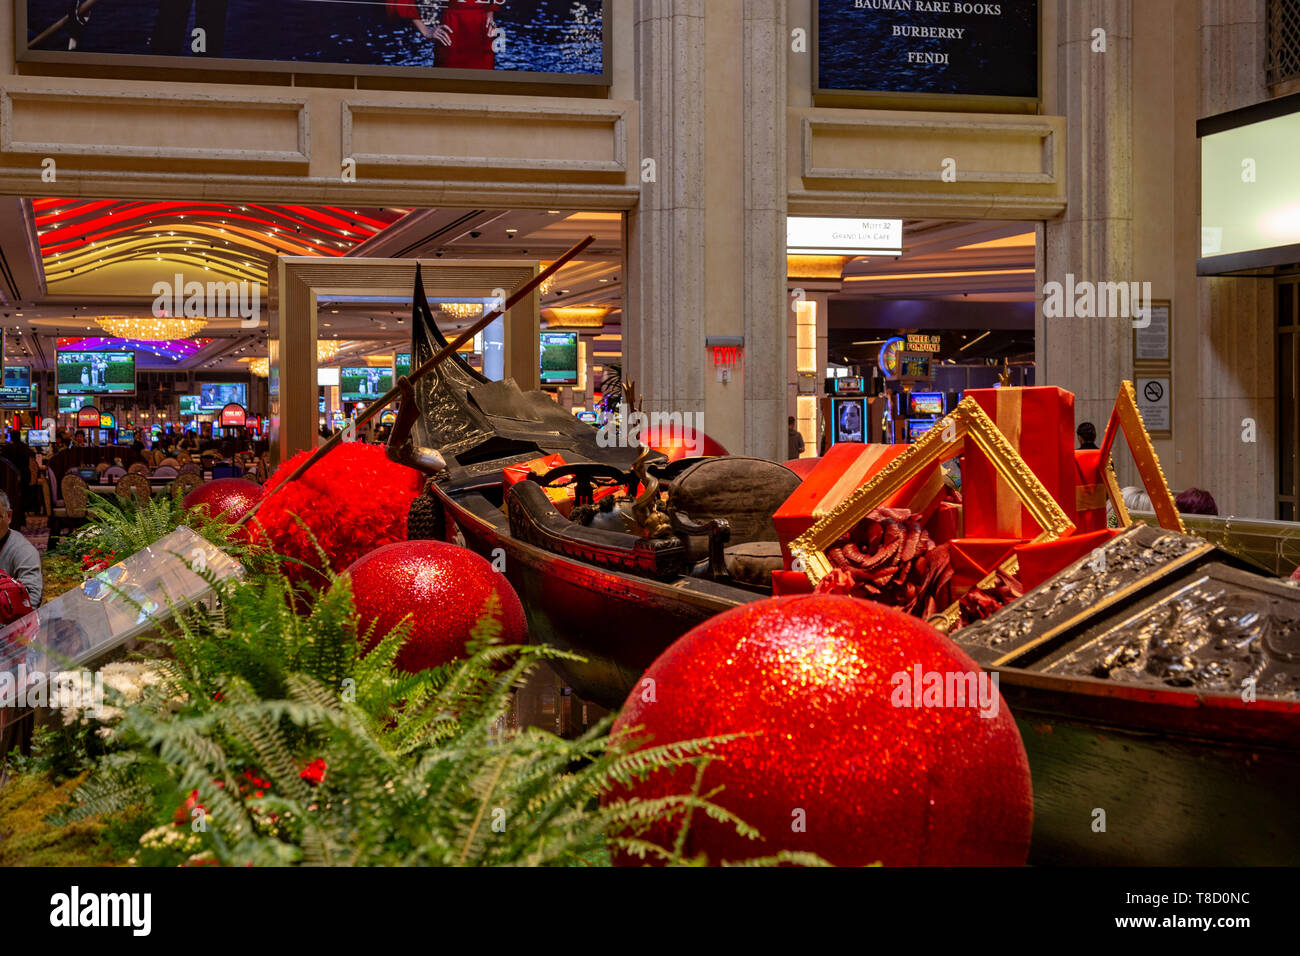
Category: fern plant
<point>271,740</point>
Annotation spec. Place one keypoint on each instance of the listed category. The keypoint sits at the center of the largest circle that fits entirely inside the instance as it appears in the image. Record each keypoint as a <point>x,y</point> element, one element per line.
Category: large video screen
<point>559,358</point>
<point>214,396</point>
<point>533,40</point>
<point>364,384</point>
<point>96,373</point>
<point>942,49</point>
<point>69,405</point>
<point>190,405</point>
<point>401,365</point>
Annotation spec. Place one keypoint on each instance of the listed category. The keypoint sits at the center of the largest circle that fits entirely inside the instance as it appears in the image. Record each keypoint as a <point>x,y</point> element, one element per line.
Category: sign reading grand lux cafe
<point>986,48</point>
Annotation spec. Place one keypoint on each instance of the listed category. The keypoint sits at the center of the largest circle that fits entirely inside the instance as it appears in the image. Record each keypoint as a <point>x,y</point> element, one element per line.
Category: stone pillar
<point>1094,239</point>
<point>1235,344</point>
<point>706,243</point>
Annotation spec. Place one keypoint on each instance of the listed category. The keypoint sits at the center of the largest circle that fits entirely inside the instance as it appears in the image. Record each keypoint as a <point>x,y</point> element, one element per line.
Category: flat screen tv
<point>214,396</point>
<point>95,373</point>
<point>927,403</point>
<point>190,405</point>
<point>916,427</point>
<point>17,376</point>
<point>849,420</point>
<point>401,365</point>
<point>559,358</point>
<point>364,383</point>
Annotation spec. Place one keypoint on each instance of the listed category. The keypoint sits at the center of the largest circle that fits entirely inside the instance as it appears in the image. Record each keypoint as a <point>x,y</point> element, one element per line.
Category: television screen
<point>363,383</point>
<point>17,376</point>
<point>214,396</point>
<point>96,373</point>
<point>849,385</point>
<point>69,405</point>
<point>190,405</point>
<point>559,358</point>
<point>325,377</point>
<point>402,365</point>
<point>927,403</point>
<point>16,396</point>
<point>38,438</point>
<point>916,427</point>
<point>849,419</point>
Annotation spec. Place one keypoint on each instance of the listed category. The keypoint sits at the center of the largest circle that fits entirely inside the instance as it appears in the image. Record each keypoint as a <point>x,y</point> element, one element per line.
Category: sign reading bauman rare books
<point>940,47</point>
<point>556,40</point>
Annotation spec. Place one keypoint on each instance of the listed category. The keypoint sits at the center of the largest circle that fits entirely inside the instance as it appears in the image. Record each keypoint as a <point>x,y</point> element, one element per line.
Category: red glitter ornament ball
<point>227,498</point>
<point>353,501</point>
<point>444,587</point>
<point>679,441</point>
<point>838,761</point>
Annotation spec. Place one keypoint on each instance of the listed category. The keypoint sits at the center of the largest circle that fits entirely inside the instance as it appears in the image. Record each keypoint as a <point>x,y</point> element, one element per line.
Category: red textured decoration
<point>353,500</point>
<point>227,498</point>
<point>835,764</point>
<point>444,587</point>
<point>803,467</point>
<point>680,441</point>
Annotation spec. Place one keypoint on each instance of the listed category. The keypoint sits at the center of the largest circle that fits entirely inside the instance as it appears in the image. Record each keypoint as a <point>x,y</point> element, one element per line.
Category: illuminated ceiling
<point>125,246</point>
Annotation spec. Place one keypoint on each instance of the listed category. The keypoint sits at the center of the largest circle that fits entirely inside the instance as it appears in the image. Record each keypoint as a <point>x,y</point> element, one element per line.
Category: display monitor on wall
<point>513,40</point>
<point>95,373</point>
<point>927,52</point>
<point>17,390</point>
<point>190,405</point>
<point>327,377</point>
<point>401,365</point>
<point>559,351</point>
<point>364,383</point>
<point>68,405</point>
<point>849,420</point>
<point>214,396</point>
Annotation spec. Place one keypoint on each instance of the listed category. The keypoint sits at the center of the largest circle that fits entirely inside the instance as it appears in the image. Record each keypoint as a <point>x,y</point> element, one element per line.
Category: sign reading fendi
<point>939,47</point>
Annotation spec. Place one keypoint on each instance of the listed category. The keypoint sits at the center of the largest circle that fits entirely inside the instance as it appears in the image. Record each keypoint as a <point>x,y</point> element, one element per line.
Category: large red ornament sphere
<point>353,501</point>
<point>834,764</point>
<point>225,498</point>
<point>679,441</point>
<point>444,587</point>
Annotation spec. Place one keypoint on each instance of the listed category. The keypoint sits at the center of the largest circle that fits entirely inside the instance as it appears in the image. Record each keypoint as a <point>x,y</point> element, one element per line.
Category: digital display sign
<point>940,48</point>
<point>95,373</point>
<point>364,383</point>
<point>190,405</point>
<point>559,351</point>
<point>848,420</point>
<point>401,365</point>
<point>926,403</point>
<point>214,396</point>
<point>519,40</point>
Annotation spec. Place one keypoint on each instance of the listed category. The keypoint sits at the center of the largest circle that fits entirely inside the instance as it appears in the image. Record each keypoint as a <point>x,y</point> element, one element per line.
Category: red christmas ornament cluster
<point>226,498</point>
<point>836,760</point>
<point>445,589</point>
<point>353,501</point>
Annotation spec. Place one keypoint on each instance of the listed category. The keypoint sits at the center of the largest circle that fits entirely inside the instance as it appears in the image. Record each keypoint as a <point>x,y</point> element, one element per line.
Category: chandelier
<point>462,310</point>
<point>150,328</point>
<point>327,350</point>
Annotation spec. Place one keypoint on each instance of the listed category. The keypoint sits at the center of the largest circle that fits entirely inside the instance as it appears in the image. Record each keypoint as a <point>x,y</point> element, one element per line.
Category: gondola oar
<point>384,400</point>
<point>58,24</point>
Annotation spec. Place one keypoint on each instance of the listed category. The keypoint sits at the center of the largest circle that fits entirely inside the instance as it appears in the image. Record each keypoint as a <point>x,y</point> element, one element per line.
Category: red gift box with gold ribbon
<point>845,468</point>
<point>1039,424</point>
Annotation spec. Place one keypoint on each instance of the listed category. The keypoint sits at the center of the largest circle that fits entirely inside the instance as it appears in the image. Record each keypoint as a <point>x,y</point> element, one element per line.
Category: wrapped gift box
<point>1046,559</point>
<point>561,495</point>
<point>844,469</point>
<point>945,524</point>
<point>1039,424</point>
<point>973,559</point>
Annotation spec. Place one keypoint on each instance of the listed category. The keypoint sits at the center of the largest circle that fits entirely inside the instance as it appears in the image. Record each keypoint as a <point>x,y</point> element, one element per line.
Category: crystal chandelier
<point>150,328</point>
<point>327,350</point>
<point>462,310</point>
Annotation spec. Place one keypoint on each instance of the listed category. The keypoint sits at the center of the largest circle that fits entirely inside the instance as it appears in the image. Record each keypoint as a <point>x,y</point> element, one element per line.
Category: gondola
<point>1128,768</point>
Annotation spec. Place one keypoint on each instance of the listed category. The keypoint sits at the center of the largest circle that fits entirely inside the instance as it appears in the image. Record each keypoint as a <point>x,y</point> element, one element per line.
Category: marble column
<point>1094,239</point>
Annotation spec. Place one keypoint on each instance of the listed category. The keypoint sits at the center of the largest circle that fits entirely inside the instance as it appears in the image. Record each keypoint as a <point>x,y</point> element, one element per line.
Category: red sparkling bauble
<point>226,498</point>
<point>353,501</point>
<point>444,587</point>
<point>679,441</point>
<point>835,764</point>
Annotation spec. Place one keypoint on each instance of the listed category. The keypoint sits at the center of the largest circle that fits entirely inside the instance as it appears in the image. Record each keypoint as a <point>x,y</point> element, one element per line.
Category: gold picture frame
<point>946,438</point>
<point>1126,417</point>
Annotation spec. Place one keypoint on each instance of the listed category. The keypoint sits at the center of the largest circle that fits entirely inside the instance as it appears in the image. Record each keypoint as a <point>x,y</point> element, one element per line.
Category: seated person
<point>18,557</point>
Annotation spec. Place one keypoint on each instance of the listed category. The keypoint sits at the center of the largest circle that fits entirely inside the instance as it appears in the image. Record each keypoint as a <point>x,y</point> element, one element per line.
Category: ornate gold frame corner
<point>1127,417</point>
<point>947,437</point>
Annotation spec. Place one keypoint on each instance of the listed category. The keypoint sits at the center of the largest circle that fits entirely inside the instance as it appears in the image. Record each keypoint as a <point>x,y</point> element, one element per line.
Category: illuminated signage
<point>820,235</point>
<point>88,417</point>
<point>233,416</point>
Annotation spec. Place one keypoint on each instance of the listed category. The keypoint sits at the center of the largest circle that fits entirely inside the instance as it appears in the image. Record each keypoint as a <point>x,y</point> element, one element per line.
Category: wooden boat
<point>1126,770</point>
